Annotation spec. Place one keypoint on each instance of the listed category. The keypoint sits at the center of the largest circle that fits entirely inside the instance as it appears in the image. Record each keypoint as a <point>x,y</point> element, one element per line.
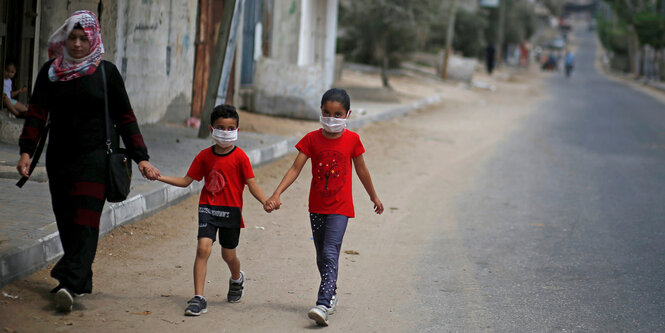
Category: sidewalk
<point>28,235</point>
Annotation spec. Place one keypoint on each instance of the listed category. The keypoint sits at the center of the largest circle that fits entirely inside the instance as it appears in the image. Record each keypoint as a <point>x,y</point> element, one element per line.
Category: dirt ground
<point>143,271</point>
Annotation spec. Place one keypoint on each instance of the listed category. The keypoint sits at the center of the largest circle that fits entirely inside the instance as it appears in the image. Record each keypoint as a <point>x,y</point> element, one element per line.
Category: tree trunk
<point>661,64</point>
<point>633,51</point>
<point>384,61</point>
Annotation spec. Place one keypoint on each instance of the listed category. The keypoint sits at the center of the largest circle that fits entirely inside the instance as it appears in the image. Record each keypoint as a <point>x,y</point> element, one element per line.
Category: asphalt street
<point>563,229</point>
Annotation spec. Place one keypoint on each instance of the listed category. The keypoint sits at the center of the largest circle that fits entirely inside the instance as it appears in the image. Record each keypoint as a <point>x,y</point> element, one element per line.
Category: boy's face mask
<point>332,124</point>
<point>223,138</point>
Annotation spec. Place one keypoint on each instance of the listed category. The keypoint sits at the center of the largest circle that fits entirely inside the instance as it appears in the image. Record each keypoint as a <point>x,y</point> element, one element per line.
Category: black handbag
<point>119,165</point>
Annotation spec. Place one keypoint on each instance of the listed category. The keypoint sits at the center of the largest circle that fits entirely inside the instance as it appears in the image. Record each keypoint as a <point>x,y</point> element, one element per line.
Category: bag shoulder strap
<point>107,116</point>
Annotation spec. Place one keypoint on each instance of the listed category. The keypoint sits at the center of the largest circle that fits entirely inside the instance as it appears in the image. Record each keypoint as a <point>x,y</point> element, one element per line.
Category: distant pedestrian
<point>8,94</point>
<point>226,170</point>
<point>333,149</point>
<point>569,62</point>
<point>69,93</point>
<point>490,58</point>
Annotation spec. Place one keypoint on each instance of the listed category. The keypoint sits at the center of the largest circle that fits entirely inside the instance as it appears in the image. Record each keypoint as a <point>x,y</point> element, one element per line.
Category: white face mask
<point>332,124</point>
<point>223,138</point>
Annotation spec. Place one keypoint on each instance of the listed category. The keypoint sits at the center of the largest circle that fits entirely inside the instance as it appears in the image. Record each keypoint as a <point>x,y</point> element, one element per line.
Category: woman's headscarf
<point>64,67</point>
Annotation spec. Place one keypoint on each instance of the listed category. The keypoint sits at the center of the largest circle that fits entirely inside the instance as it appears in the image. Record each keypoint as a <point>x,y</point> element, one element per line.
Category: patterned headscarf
<point>64,67</point>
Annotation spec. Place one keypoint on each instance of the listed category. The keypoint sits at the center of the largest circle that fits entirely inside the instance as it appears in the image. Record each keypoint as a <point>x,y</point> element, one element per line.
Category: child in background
<point>15,107</point>
<point>226,169</point>
<point>332,149</point>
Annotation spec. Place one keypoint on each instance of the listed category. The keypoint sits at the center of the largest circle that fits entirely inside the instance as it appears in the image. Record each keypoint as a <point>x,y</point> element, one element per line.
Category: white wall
<point>146,28</point>
<point>136,34</point>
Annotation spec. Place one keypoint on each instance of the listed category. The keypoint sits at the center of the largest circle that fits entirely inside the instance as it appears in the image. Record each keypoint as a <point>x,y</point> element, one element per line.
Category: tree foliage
<point>377,29</point>
<point>645,17</point>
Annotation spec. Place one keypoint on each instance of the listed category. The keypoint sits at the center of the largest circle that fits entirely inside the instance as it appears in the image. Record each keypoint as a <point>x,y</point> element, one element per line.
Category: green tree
<point>381,32</point>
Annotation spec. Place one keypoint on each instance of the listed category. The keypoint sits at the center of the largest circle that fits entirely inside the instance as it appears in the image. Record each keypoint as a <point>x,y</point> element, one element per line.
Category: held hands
<point>273,203</point>
<point>23,165</point>
<point>148,170</point>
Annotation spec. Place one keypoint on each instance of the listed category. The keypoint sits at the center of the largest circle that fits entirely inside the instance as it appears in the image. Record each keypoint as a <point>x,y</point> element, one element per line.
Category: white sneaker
<point>64,300</point>
<point>319,314</point>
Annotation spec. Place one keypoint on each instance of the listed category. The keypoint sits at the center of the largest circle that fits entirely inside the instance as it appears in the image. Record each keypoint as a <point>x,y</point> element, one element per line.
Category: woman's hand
<point>23,165</point>
<point>148,170</point>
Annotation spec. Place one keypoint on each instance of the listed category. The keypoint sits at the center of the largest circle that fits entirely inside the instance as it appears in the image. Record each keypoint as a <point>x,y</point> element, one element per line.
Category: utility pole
<point>450,33</point>
<point>500,31</point>
<point>221,62</point>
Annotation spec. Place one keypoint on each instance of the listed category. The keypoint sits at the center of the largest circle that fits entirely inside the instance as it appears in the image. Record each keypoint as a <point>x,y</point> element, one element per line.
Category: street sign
<point>488,3</point>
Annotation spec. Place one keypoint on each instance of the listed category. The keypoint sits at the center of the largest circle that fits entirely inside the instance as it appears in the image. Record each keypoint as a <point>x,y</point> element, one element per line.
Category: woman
<point>69,91</point>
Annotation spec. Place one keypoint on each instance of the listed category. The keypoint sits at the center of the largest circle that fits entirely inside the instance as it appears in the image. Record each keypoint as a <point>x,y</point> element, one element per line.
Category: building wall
<point>286,29</point>
<point>155,53</point>
<point>300,67</point>
<point>152,44</point>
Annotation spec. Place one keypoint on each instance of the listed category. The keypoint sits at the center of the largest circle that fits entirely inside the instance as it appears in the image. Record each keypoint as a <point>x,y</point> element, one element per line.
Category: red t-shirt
<point>225,178</point>
<point>331,192</point>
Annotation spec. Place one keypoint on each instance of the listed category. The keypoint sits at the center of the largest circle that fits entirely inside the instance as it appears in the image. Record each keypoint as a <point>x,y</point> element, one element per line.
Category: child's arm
<point>256,191</point>
<point>290,176</point>
<point>19,91</point>
<point>363,174</point>
<point>176,181</point>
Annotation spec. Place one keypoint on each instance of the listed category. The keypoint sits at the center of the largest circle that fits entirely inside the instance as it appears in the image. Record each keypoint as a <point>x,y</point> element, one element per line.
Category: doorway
<point>18,27</point>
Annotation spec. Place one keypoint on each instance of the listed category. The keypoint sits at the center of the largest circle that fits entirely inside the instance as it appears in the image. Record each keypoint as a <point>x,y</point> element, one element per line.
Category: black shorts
<point>228,237</point>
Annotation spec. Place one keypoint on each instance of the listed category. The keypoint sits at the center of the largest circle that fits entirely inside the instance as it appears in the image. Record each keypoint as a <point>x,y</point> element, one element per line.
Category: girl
<point>8,99</point>
<point>332,150</point>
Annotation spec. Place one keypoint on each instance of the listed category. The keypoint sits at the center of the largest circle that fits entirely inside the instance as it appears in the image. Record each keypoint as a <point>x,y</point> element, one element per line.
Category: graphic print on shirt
<point>330,172</point>
<point>215,181</point>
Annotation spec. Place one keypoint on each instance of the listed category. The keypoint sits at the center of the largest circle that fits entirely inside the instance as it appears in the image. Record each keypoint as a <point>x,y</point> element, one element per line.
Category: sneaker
<point>64,300</point>
<point>235,289</point>
<point>319,314</point>
<point>333,305</point>
<point>196,306</point>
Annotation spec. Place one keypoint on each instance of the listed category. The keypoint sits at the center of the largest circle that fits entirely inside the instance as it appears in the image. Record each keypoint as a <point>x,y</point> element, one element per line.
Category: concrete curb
<point>32,256</point>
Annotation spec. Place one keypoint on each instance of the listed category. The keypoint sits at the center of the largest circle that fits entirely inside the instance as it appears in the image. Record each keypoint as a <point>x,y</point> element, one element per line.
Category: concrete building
<point>284,59</point>
<point>297,63</point>
<point>151,42</point>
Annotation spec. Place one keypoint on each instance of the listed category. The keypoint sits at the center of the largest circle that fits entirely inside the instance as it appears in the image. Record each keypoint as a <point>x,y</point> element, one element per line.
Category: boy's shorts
<point>228,237</point>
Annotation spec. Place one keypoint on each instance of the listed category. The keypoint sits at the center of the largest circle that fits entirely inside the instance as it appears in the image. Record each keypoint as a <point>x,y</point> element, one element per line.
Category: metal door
<point>251,16</point>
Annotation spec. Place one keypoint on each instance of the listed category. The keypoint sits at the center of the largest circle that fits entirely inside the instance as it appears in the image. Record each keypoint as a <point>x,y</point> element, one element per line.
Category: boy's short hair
<point>337,95</point>
<point>224,111</point>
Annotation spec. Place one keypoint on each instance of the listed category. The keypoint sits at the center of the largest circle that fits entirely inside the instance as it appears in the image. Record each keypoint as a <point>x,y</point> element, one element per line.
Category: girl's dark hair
<point>224,111</point>
<point>337,95</point>
<point>10,63</point>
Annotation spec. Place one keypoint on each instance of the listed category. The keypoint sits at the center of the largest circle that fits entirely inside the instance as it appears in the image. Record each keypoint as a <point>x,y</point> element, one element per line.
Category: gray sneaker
<point>333,305</point>
<point>64,300</point>
<point>236,289</point>
<point>319,314</point>
<point>196,306</point>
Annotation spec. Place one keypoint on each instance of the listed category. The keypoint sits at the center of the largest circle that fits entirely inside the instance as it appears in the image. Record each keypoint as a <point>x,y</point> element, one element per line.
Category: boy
<point>226,170</point>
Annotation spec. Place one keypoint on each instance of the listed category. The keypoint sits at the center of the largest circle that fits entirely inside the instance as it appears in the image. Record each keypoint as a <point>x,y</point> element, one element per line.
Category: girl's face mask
<point>223,138</point>
<point>332,124</point>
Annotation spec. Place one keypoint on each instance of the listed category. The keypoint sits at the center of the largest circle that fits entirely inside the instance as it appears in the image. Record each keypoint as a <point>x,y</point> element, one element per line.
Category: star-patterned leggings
<point>328,232</point>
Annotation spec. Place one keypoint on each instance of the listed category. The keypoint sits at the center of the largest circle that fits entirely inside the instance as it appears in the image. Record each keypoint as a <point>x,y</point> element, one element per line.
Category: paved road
<point>564,227</point>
